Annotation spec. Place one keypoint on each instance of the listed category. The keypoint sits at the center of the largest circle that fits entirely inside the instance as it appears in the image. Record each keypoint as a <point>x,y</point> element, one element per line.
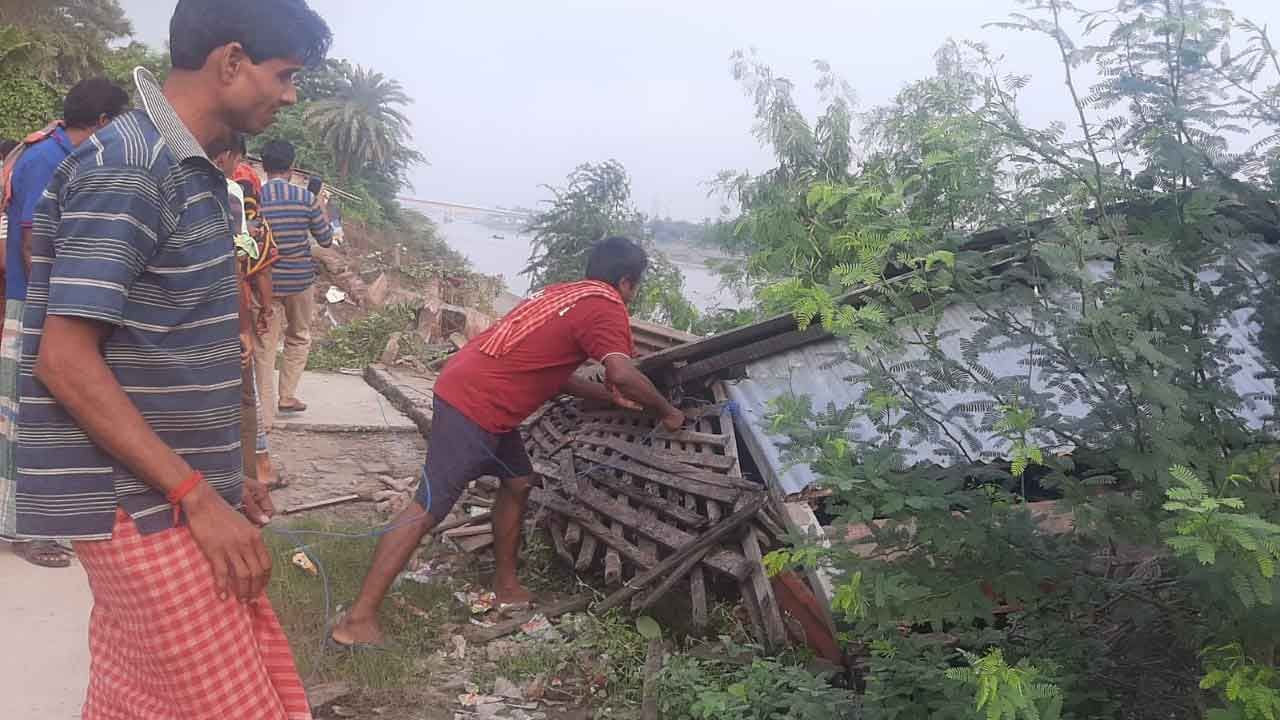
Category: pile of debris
<point>658,511</point>
<point>650,511</point>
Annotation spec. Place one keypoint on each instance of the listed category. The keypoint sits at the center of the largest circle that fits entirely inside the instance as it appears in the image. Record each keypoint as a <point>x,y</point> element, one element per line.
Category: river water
<point>506,256</point>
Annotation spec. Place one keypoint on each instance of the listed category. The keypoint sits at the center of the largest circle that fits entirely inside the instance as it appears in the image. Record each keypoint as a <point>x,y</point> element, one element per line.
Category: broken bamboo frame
<point>708,539</point>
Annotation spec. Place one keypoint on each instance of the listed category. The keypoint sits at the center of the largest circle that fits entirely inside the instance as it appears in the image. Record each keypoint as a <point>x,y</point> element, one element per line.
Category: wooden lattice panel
<point>620,496</point>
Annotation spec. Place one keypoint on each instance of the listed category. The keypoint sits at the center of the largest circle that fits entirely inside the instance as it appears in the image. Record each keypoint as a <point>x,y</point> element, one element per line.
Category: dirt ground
<point>434,666</point>
<point>321,465</point>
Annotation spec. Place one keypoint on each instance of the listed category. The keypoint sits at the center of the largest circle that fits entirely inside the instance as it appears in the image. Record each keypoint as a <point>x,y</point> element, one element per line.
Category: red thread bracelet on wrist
<point>176,495</point>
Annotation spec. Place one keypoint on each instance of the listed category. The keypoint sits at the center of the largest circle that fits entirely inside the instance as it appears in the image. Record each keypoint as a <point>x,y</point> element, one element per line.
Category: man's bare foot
<point>351,631</point>
<point>512,593</point>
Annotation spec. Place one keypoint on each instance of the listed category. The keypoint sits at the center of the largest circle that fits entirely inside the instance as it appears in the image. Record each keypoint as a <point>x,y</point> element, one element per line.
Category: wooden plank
<point>718,343</point>
<point>572,534</point>
<point>650,490</point>
<point>545,468</point>
<point>673,461</point>
<point>469,531</point>
<point>549,440</point>
<point>552,612</point>
<point>572,530</point>
<point>752,604</point>
<point>689,518</point>
<point>709,539</point>
<point>688,436</point>
<point>321,504</point>
<point>765,347</point>
<point>775,633</point>
<point>613,564</point>
<point>536,417</point>
<point>727,428</point>
<point>704,410</point>
<point>673,538</point>
<point>555,528</point>
<point>557,436</point>
<point>587,553</point>
<point>769,522</point>
<point>697,586</point>
<point>698,616</point>
<point>475,544</point>
<point>660,590</point>
<point>719,493</point>
<point>448,525</point>
<point>589,524</point>
<point>615,416</point>
<point>644,540</point>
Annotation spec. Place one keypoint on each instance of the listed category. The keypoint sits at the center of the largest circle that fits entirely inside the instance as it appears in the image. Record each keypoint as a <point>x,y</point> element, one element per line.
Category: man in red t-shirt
<point>488,389</point>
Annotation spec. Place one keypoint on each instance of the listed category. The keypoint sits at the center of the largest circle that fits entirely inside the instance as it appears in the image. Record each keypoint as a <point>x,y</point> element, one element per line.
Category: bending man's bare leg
<point>508,521</point>
<point>360,625</point>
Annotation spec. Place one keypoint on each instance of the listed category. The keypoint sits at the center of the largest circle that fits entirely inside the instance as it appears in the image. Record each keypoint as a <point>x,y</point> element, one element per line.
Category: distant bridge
<point>460,207</point>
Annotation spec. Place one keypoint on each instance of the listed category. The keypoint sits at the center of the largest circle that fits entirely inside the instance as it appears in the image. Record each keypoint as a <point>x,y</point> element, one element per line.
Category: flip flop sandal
<point>44,553</point>
<point>360,648</point>
<point>295,408</point>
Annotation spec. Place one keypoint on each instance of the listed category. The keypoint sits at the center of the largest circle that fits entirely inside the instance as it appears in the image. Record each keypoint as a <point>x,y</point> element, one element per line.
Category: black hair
<point>7,146</point>
<point>278,156</point>
<point>247,188</point>
<point>615,258</point>
<point>90,99</point>
<point>268,30</point>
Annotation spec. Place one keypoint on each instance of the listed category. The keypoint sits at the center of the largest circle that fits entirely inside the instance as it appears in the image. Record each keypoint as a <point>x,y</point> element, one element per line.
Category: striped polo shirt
<point>133,232</point>
<point>292,213</point>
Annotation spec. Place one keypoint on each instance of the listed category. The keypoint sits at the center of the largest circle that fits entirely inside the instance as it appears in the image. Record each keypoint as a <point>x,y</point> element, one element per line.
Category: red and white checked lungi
<point>164,647</point>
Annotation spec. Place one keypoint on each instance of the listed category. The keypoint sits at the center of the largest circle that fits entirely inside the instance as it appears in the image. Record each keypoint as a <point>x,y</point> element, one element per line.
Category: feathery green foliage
<point>1009,693</point>
<point>1130,256</point>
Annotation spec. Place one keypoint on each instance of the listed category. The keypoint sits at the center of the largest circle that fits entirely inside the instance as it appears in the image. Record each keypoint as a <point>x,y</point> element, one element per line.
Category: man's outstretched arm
<point>621,373</point>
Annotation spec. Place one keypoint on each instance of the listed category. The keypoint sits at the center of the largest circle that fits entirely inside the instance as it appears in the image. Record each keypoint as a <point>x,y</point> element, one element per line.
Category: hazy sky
<point>511,95</point>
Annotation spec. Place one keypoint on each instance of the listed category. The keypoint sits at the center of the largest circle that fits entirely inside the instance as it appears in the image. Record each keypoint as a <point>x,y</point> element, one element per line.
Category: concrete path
<point>337,402</point>
<point>44,623</point>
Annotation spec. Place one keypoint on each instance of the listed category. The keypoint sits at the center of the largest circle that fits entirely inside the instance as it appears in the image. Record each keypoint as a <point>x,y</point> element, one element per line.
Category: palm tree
<point>362,124</point>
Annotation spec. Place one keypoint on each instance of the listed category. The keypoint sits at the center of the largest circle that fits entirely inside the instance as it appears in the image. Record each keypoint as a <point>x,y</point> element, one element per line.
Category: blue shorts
<point>459,451</point>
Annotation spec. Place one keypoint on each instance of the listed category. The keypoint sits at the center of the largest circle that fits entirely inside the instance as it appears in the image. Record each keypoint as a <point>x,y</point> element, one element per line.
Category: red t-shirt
<point>499,393</point>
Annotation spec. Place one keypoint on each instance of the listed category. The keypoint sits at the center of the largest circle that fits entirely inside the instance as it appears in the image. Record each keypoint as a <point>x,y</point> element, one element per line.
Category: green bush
<point>361,342</point>
<point>765,689</point>
<point>26,105</point>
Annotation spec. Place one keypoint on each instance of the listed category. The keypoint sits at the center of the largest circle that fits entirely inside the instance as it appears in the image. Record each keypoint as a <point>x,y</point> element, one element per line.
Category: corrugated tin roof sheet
<point>823,371</point>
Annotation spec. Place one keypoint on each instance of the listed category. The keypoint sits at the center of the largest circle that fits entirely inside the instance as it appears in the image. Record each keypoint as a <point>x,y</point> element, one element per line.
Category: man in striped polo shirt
<point>129,421</point>
<point>295,216</point>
